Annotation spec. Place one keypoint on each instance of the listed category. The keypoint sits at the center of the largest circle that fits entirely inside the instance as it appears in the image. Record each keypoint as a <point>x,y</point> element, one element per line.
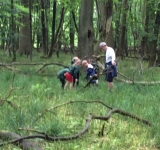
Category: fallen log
<point>24,144</point>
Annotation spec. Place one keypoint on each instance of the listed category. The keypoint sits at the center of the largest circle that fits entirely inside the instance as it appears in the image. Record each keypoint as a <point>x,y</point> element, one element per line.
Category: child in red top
<point>72,73</point>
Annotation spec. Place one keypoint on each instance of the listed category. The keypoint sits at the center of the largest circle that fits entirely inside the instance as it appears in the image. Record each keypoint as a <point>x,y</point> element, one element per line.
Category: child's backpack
<point>96,67</point>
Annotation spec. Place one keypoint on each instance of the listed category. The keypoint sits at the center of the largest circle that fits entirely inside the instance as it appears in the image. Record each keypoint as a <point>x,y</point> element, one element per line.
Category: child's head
<point>84,63</point>
<point>78,62</point>
<point>90,61</point>
<point>74,59</point>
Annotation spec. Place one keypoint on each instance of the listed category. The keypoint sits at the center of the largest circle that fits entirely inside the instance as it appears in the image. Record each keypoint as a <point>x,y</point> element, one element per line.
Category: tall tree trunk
<point>12,33</point>
<point>86,32</point>
<point>71,32</point>
<point>122,39</point>
<point>74,19</point>
<point>43,27</point>
<point>53,29</point>
<point>154,41</point>
<point>47,5</point>
<point>117,22</point>
<point>145,21</point>
<point>104,9</point>
<point>30,18</point>
<point>59,31</point>
<point>25,31</point>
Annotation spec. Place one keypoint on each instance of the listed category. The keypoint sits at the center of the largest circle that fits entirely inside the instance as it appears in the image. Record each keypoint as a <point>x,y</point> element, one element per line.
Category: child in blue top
<point>90,72</point>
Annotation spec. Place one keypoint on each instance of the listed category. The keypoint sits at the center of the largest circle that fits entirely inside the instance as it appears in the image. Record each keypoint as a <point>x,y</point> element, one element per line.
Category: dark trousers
<point>111,71</point>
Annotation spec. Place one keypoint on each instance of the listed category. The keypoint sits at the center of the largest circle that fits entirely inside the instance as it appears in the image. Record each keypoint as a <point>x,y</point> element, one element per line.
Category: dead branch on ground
<point>113,110</point>
<point>30,64</point>
<point>127,79</point>
<point>90,80</point>
<point>79,134</point>
<point>23,143</point>
<point>3,100</point>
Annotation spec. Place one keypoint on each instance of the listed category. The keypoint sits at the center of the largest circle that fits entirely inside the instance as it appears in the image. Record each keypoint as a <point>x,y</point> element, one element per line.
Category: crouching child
<point>90,73</point>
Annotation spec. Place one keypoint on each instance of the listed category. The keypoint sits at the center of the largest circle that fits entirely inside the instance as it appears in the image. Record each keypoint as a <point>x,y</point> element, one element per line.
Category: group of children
<point>71,74</point>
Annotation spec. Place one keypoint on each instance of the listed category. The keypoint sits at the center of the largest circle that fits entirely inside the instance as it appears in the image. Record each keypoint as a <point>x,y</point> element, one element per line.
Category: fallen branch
<point>31,64</point>
<point>3,100</point>
<point>17,140</point>
<point>85,129</point>
<point>113,110</point>
<point>90,80</point>
<point>23,143</point>
<point>128,80</point>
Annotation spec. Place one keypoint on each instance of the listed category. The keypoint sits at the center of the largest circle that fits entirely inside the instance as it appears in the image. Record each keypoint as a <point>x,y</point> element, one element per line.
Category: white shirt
<point>110,55</point>
<point>90,66</point>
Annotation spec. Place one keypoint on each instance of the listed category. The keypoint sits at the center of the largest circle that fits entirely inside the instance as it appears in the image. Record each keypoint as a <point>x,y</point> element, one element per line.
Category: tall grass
<point>43,91</point>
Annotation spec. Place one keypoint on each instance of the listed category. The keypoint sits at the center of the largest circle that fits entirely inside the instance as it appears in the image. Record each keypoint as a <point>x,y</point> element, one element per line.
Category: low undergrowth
<point>42,91</point>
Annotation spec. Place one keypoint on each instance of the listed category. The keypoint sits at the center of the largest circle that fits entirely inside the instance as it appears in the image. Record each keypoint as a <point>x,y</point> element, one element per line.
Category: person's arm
<point>89,73</point>
<point>113,57</point>
<point>75,73</point>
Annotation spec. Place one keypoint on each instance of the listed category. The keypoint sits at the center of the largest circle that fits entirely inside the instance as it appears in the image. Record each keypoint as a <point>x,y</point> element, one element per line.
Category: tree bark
<point>153,44</point>
<point>86,32</point>
<point>122,39</point>
<point>25,32</point>
<point>104,10</point>
<point>53,29</point>
<point>43,22</point>
<point>23,144</point>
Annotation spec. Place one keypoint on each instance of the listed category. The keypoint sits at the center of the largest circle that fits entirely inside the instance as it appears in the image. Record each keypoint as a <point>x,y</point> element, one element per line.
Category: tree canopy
<point>130,27</point>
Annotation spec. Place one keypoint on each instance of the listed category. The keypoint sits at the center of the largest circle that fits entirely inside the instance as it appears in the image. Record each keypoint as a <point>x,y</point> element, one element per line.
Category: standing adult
<point>110,64</point>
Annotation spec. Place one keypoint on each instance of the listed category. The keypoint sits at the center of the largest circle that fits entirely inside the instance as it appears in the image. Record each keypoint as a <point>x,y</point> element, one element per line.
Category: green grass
<point>42,91</point>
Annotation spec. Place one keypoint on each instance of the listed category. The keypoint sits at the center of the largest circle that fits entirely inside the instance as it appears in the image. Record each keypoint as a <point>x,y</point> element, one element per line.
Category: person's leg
<point>73,82</point>
<point>65,84</point>
<point>110,81</point>
<point>110,85</point>
<point>71,85</point>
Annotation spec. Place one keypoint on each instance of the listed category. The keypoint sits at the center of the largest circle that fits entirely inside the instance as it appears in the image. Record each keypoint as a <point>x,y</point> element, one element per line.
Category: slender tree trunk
<point>145,21</point>
<point>122,39</point>
<point>74,19</point>
<point>152,60</point>
<point>43,27</point>
<point>12,33</point>
<point>71,33</point>
<point>30,18</point>
<point>53,29</point>
<point>46,18</point>
<point>25,31</point>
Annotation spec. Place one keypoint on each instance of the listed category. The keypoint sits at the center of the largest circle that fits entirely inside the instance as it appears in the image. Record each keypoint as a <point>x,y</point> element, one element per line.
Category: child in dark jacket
<point>61,76</point>
<point>74,59</point>
<point>90,72</point>
<point>73,73</point>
